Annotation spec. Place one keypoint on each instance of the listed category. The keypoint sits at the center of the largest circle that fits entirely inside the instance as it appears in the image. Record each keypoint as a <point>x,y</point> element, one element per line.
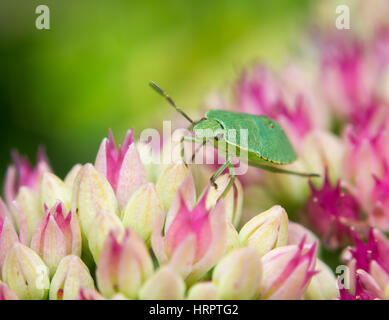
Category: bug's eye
<point>271,124</point>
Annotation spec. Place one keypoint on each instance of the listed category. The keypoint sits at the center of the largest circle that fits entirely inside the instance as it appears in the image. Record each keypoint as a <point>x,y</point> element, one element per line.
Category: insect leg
<point>193,140</point>
<point>197,150</point>
<point>231,169</point>
<point>219,172</point>
<point>182,147</point>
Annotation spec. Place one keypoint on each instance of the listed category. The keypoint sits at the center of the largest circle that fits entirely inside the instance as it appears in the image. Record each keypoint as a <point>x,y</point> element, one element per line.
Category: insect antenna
<point>158,89</point>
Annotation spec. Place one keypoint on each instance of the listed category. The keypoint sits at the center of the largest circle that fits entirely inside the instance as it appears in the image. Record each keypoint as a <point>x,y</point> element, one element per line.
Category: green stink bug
<point>266,141</point>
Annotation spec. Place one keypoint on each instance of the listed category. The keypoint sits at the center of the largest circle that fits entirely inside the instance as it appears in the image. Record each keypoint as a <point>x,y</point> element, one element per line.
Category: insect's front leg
<point>218,173</point>
<point>231,169</point>
<point>193,140</point>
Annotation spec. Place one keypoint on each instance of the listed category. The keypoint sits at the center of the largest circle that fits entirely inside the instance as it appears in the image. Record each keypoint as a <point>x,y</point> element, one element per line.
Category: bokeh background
<point>65,87</point>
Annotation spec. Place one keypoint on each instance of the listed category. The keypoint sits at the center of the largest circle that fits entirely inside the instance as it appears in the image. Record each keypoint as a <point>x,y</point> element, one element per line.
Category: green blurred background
<point>66,86</point>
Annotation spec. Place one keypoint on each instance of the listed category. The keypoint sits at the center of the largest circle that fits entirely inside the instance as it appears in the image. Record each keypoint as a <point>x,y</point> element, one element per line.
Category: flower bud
<point>123,267</point>
<point>169,182</point>
<point>22,174</point>
<point>150,157</point>
<point>164,284</point>
<point>92,194</point>
<point>323,285</point>
<point>208,230</point>
<point>8,237</point>
<point>53,189</point>
<point>119,296</point>
<point>72,175</point>
<point>142,211</point>
<point>321,149</point>
<point>233,199</point>
<point>25,273</point>
<point>266,231</point>
<point>203,291</point>
<point>27,211</point>
<point>57,234</point>
<point>287,271</point>
<point>238,275</point>
<point>89,294</point>
<point>71,275</point>
<point>122,167</point>
<point>232,238</point>
<point>103,224</point>
<point>297,232</point>
<point>4,212</point>
<point>6,293</point>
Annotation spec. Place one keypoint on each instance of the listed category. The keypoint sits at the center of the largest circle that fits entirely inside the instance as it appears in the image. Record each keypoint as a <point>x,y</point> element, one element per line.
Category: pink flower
<point>122,167</point>
<point>348,78</point>
<point>369,268</point>
<point>366,156</point>
<point>57,235</point>
<point>287,271</point>
<point>194,240</point>
<point>22,174</point>
<point>376,251</point>
<point>259,92</point>
<point>331,211</point>
<point>359,294</point>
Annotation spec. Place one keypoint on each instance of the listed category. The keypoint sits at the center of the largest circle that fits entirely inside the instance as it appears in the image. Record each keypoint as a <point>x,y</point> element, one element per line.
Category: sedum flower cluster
<point>109,232</point>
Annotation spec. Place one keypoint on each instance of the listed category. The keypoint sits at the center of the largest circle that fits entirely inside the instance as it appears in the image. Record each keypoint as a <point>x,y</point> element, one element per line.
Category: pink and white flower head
<point>369,267</point>
<point>347,76</point>
<point>195,239</point>
<point>331,211</point>
<point>121,166</point>
<point>22,174</point>
<point>366,156</point>
<point>287,271</point>
<point>259,92</point>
